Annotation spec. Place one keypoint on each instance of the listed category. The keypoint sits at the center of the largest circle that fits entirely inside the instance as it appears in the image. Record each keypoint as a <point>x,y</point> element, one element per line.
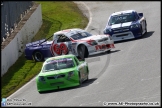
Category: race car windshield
<point>123,18</point>
<point>58,64</point>
<point>81,35</point>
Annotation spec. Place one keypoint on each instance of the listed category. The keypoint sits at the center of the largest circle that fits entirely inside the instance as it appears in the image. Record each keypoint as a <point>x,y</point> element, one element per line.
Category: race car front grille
<point>56,76</point>
<point>56,83</point>
<point>120,30</point>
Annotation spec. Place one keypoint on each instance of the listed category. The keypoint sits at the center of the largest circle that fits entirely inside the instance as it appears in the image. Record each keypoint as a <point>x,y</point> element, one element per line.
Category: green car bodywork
<point>61,72</point>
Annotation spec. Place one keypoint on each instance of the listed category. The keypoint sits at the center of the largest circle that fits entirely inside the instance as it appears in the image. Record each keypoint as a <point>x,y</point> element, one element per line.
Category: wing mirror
<point>140,14</point>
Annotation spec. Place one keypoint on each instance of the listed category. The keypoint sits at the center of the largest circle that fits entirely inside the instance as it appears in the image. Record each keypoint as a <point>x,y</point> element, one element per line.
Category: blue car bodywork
<point>38,50</point>
<point>125,25</point>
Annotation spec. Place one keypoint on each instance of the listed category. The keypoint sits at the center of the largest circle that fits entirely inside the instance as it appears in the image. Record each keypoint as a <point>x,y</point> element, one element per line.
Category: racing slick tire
<point>87,78</point>
<point>40,92</point>
<point>141,32</point>
<point>87,74</point>
<point>108,51</point>
<point>145,27</point>
<point>82,52</point>
<point>38,56</point>
<point>80,80</point>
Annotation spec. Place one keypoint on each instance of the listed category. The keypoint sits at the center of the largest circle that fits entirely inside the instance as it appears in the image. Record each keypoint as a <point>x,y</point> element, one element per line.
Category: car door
<point>62,45</point>
<point>80,68</point>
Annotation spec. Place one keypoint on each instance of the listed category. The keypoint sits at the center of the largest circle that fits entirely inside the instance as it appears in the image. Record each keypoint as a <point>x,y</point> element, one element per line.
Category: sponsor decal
<point>104,46</point>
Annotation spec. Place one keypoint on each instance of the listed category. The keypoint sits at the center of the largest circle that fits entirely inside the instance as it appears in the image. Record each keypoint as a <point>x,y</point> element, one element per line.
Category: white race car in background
<point>80,43</point>
<point>71,41</point>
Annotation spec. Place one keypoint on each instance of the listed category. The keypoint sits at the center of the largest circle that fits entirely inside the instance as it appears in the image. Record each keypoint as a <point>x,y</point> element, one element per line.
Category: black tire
<point>145,27</point>
<point>82,52</point>
<point>80,81</point>
<point>141,32</point>
<point>109,51</point>
<point>38,56</point>
<point>40,92</point>
<point>87,78</point>
<point>87,74</point>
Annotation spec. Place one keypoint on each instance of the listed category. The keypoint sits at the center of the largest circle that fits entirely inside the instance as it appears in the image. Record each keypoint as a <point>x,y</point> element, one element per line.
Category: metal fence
<point>11,14</point>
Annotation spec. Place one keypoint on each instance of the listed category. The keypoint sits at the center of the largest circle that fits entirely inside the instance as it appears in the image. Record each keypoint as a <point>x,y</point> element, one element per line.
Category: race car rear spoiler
<point>35,43</point>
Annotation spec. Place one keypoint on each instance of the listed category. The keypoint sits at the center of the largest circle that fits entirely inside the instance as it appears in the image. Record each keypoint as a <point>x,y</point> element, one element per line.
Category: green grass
<point>56,16</point>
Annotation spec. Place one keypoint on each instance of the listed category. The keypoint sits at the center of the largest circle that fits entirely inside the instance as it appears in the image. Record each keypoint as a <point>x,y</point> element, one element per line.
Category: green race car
<point>61,72</point>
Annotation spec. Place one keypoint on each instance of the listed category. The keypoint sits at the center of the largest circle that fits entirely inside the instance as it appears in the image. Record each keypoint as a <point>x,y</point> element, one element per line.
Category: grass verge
<point>56,15</point>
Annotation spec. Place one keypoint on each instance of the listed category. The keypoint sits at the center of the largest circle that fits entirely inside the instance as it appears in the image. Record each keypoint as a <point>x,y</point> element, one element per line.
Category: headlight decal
<point>108,30</point>
<point>135,26</point>
<point>92,42</point>
<point>41,79</point>
<point>70,74</point>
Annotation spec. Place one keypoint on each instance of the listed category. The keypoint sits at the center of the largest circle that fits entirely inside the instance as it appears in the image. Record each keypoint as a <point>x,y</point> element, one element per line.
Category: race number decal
<point>56,49</point>
<point>60,49</point>
<point>51,49</point>
<point>63,48</point>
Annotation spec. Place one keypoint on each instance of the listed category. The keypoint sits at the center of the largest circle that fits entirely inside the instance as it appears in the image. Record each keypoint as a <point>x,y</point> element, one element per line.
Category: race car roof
<point>122,12</point>
<point>69,32</point>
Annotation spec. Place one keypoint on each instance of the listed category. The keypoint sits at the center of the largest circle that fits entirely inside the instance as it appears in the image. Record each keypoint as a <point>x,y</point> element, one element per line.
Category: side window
<point>62,38</point>
<point>67,39</point>
<point>136,15</point>
<point>76,61</point>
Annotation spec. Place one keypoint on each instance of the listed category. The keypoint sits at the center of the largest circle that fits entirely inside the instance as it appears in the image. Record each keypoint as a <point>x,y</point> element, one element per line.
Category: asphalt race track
<point>130,74</point>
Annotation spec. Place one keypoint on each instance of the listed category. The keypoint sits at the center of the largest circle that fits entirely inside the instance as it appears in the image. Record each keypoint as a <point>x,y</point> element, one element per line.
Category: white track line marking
<point>90,16</point>
<point>150,78</point>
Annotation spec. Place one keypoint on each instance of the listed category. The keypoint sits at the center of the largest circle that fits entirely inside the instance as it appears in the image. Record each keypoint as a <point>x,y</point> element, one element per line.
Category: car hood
<point>39,42</point>
<point>56,72</point>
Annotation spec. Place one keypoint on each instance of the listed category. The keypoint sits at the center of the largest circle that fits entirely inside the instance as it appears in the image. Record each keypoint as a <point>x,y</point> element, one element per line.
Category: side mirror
<point>140,14</point>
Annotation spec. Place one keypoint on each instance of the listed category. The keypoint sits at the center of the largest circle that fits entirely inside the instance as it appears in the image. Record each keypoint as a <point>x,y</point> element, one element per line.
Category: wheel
<point>40,92</point>
<point>82,52</point>
<point>141,30</point>
<point>38,56</point>
<point>87,75</point>
<point>109,51</point>
<point>145,27</point>
<point>87,78</point>
<point>141,33</point>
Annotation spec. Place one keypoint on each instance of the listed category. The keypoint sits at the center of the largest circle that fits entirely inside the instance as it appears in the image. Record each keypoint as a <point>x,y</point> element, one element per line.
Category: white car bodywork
<point>69,42</point>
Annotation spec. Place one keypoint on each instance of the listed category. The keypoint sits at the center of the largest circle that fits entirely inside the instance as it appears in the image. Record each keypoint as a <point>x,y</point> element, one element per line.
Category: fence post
<point>10,15</point>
